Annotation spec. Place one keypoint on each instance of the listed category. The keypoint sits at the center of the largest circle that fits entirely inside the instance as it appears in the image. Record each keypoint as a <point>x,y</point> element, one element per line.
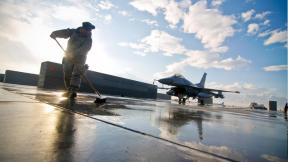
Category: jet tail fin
<point>202,82</point>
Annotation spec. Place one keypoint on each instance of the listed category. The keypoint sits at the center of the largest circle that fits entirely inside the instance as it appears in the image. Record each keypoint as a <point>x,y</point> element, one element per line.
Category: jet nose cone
<point>160,80</point>
<point>163,81</point>
<point>166,81</point>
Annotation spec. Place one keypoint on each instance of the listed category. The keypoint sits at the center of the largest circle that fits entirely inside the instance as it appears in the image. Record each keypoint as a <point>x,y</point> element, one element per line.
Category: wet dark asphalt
<point>44,132</point>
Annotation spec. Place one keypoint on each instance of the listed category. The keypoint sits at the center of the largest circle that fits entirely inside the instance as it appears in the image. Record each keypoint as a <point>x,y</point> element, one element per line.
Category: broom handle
<point>83,76</point>
<point>59,44</point>
<point>91,85</point>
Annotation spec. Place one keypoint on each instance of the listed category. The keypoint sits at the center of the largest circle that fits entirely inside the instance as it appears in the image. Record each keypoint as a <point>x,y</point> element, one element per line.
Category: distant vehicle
<point>254,105</point>
<point>183,88</point>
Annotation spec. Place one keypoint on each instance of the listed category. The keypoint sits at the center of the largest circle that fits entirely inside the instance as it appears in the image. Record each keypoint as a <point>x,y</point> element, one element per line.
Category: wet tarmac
<point>40,125</point>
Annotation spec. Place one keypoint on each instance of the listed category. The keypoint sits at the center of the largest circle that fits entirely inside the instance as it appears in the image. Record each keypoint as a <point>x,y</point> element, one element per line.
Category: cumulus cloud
<point>262,15</point>
<point>276,37</point>
<point>246,16</point>
<point>173,13</point>
<point>175,68</point>
<point>276,68</point>
<point>266,22</point>
<point>105,5</point>
<point>108,18</point>
<point>123,13</point>
<point>214,61</point>
<point>230,63</point>
<point>253,28</point>
<point>158,41</point>
<point>150,22</point>
<point>216,3</point>
<point>265,33</point>
<point>185,4</point>
<point>150,6</point>
<point>137,46</point>
<point>203,60</point>
<point>209,25</point>
<point>221,49</point>
<point>172,10</point>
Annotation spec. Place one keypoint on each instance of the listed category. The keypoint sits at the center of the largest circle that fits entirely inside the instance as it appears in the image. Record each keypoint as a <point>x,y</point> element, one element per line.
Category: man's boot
<point>72,92</point>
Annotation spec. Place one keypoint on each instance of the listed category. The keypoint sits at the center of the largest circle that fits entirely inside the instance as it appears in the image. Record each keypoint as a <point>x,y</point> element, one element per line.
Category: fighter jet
<point>183,88</point>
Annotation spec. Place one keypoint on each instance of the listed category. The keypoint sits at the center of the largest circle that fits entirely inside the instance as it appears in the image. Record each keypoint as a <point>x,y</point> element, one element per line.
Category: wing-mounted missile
<point>204,95</point>
<point>219,95</point>
<point>171,92</point>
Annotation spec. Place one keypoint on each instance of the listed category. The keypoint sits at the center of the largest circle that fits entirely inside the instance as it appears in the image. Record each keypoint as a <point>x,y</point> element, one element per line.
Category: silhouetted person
<point>286,108</point>
<point>73,62</point>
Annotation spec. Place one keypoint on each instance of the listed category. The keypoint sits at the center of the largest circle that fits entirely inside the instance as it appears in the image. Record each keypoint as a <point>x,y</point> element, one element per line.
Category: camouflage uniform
<point>79,44</point>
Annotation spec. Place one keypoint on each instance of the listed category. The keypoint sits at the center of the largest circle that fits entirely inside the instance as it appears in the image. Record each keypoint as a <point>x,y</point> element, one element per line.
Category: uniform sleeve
<point>86,46</point>
<point>65,33</point>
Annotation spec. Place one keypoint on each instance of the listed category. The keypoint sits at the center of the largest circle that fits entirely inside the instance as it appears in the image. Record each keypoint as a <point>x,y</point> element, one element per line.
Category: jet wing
<point>215,90</point>
<point>163,88</point>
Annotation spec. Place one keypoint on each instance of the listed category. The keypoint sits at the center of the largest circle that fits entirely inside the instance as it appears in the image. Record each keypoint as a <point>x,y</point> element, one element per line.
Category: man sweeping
<point>73,62</point>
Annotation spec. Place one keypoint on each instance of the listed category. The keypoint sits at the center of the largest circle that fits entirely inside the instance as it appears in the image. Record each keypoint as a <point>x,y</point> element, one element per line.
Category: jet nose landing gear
<point>182,101</point>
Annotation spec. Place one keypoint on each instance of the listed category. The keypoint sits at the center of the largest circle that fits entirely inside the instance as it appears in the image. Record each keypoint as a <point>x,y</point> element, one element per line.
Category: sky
<point>241,44</point>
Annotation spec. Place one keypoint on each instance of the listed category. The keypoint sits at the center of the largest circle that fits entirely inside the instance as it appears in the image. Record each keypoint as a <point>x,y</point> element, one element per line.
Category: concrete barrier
<point>51,77</point>
<point>273,105</point>
<point>162,96</point>
<point>16,77</point>
<point>205,101</point>
<point>1,77</point>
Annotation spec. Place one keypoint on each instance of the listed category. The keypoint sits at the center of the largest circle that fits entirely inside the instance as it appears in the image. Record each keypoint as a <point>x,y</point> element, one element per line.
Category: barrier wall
<point>205,101</point>
<point>162,96</point>
<point>51,77</point>
<point>1,77</point>
<point>273,105</point>
<point>16,77</point>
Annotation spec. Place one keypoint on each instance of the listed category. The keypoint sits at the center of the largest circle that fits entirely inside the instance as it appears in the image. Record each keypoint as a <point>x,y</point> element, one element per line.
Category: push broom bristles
<point>100,100</point>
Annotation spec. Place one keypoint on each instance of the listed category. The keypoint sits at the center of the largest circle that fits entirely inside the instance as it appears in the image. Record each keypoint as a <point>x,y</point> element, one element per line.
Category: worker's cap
<point>88,25</point>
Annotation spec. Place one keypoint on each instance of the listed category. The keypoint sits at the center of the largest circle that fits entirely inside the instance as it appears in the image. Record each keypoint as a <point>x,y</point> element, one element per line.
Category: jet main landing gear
<point>182,101</point>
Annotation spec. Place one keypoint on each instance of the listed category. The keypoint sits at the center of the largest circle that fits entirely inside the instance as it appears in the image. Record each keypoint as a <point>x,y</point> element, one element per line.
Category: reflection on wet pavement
<point>231,132</point>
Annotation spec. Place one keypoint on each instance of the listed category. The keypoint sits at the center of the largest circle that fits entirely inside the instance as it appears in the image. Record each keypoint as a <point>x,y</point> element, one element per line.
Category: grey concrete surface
<point>33,131</point>
<point>157,130</point>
